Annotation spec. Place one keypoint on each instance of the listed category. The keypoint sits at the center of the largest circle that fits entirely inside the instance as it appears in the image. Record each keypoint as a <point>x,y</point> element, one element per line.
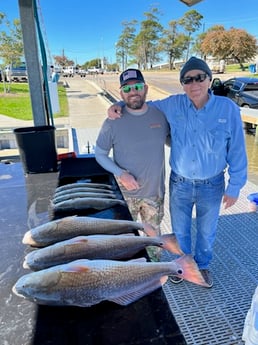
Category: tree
<point>243,45</point>
<point>146,42</point>
<point>191,22</point>
<point>11,46</point>
<point>124,43</point>
<point>62,60</point>
<point>11,43</point>
<point>173,43</point>
<point>234,44</point>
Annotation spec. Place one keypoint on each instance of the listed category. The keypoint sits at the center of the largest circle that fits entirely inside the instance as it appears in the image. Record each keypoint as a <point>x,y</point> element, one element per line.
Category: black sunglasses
<point>199,78</point>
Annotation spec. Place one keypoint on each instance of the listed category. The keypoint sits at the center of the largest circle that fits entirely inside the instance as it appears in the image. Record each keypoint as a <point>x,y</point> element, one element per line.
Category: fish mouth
<point>25,265</point>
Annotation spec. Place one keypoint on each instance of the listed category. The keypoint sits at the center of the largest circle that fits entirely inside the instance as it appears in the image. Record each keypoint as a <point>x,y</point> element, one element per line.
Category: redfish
<point>85,184</point>
<point>85,283</point>
<point>74,195</point>
<point>69,227</point>
<point>86,203</point>
<point>79,189</point>
<point>112,247</point>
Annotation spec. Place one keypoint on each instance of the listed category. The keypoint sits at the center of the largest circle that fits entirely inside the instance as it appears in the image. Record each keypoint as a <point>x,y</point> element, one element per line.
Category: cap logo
<point>129,75</point>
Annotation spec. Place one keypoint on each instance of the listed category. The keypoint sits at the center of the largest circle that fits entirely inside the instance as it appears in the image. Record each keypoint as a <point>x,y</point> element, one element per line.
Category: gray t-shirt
<point>138,147</point>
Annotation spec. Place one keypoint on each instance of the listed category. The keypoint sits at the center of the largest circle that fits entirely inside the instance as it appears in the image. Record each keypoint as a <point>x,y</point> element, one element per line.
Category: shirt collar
<point>207,105</point>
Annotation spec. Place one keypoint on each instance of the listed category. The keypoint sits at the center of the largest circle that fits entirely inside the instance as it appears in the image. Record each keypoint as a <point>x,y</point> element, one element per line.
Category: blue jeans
<point>206,195</point>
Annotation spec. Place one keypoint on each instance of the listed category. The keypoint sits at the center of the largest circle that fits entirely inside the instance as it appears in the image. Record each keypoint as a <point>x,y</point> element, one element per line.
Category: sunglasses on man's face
<point>136,87</point>
<point>199,78</point>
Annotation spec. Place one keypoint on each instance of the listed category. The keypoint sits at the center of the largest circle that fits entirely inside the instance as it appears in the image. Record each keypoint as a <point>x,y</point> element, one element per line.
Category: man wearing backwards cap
<point>137,140</point>
<point>206,138</point>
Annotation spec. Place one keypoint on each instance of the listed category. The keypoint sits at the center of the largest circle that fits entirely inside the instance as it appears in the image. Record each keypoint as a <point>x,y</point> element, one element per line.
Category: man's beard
<point>135,104</point>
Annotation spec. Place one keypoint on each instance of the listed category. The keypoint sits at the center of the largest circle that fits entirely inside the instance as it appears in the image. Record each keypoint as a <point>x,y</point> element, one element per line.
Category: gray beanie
<point>195,63</point>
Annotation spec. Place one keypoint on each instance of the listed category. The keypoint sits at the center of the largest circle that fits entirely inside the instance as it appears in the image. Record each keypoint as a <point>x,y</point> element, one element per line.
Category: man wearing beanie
<point>207,138</point>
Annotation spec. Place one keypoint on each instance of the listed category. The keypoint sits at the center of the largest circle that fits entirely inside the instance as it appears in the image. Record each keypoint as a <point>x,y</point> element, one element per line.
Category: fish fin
<point>71,245</point>
<point>77,266</point>
<point>128,298</point>
<point>79,239</point>
<point>67,219</point>
<point>169,242</point>
<point>190,270</point>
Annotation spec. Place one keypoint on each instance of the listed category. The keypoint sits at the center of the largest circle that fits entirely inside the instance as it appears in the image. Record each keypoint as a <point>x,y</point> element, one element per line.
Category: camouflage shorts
<point>147,211</point>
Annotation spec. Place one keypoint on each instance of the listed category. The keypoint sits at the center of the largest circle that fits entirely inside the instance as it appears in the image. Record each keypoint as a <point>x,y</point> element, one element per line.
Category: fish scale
<point>86,282</point>
<point>82,190</point>
<point>74,195</point>
<point>85,184</point>
<point>86,203</point>
<point>68,227</point>
<point>113,247</point>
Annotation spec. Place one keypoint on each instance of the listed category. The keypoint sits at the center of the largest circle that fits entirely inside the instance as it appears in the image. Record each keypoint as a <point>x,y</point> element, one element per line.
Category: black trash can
<point>37,148</point>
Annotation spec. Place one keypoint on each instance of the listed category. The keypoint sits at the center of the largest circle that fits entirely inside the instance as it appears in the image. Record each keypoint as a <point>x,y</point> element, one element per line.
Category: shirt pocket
<point>215,140</point>
<point>179,136</point>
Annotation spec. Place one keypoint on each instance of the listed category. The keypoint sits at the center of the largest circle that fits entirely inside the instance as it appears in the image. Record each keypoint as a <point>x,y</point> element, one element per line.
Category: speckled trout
<point>84,283</point>
<point>111,247</point>
<point>69,227</point>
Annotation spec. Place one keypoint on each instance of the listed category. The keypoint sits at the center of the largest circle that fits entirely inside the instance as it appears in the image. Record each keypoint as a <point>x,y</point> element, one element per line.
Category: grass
<point>16,103</point>
<point>236,68</point>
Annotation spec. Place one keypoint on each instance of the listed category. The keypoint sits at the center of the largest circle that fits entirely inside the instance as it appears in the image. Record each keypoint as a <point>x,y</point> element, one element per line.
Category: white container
<point>250,333</point>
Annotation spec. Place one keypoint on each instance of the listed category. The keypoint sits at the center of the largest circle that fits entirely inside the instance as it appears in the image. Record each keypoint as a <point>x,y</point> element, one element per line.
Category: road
<point>162,84</point>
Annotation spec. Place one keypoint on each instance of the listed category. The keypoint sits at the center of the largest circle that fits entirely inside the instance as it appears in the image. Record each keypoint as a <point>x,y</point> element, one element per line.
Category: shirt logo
<point>155,125</point>
<point>222,120</point>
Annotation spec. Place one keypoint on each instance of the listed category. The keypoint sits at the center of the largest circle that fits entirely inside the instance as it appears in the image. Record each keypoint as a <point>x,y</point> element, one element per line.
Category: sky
<point>84,30</point>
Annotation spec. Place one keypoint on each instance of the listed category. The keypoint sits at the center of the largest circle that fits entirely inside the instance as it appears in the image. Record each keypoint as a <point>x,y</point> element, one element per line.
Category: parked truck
<point>17,73</point>
<point>69,71</point>
<point>242,90</point>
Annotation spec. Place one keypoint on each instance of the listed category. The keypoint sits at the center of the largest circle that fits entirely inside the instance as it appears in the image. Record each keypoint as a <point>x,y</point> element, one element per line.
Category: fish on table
<point>74,195</point>
<point>85,184</point>
<point>85,283</point>
<point>79,204</point>
<point>72,226</point>
<point>112,247</point>
<point>83,190</point>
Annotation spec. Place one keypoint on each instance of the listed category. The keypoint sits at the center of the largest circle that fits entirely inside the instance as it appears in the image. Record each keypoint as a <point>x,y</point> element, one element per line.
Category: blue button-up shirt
<point>206,141</point>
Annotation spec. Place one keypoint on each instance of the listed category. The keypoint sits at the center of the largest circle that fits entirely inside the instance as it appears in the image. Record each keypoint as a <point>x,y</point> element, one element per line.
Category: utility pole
<point>33,64</point>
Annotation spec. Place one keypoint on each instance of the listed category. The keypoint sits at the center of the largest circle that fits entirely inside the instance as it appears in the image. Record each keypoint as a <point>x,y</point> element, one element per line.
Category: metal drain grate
<point>216,316</point>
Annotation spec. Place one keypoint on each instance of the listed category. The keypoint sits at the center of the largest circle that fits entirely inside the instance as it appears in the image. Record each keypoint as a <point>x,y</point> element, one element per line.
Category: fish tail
<point>189,270</point>
<point>169,242</point>
<point>149,230</point>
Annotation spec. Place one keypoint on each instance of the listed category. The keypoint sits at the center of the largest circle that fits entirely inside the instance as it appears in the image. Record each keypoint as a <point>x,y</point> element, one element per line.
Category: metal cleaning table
<point>24,204</point>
